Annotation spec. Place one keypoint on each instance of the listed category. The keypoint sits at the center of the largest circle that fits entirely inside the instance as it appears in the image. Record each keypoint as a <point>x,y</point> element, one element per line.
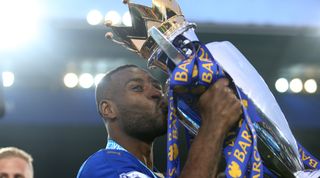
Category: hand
<point>219,106</point>
<point>219,110</point>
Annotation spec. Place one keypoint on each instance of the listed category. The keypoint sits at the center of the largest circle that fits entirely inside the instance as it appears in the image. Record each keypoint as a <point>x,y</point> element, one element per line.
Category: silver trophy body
<point>276,142</point>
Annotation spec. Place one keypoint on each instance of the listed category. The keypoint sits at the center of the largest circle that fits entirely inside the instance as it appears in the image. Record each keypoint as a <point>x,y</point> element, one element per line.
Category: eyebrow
<point>18,176</point>
<point>140,80</point>
<point>4,174</point>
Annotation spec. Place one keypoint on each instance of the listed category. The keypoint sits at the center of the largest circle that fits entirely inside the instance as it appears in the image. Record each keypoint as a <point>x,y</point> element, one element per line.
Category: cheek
<point>134,105</point>
<point>140,101</point>
<point>145,106</point>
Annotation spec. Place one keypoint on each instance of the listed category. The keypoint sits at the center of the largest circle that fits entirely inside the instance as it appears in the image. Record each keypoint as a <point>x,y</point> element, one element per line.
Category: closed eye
<point>18,176</point>
<point>157,86</point>
<point>137,88</point>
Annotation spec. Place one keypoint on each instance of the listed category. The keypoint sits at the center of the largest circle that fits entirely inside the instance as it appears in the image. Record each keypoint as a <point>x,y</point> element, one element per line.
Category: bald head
<point>106,89</point>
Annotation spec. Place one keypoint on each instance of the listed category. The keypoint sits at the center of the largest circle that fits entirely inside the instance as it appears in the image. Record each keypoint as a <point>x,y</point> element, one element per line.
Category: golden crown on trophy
<point>165,15</point>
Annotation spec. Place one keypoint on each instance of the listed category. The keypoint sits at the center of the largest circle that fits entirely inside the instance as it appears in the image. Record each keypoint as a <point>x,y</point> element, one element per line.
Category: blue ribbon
<point>188,81</point>
<point>241,153</point>
<point>173,161</point>
<point>308,160</point>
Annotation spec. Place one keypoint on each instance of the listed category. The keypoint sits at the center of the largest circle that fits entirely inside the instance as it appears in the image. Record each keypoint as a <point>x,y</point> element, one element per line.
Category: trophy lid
<point>165,15</point>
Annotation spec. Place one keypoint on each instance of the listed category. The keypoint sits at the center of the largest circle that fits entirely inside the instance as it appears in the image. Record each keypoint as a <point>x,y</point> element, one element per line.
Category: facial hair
<point>141,124</point>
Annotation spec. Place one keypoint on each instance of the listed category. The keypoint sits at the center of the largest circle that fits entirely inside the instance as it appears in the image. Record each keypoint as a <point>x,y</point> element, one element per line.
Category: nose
<point>156,94</point>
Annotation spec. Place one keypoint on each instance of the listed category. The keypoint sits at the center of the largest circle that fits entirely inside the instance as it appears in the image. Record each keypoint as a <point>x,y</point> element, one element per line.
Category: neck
<point>140,149</point>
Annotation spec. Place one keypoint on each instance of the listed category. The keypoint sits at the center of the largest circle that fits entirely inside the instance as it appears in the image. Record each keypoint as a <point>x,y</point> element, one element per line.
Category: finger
<point>223,93</point>
<point>227,95</point>
<point>221,83</point>
<point>228,90</point>
<point>236,107</point>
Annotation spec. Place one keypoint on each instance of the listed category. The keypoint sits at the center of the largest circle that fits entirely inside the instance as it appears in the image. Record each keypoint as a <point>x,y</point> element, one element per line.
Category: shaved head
<point>105,89</point>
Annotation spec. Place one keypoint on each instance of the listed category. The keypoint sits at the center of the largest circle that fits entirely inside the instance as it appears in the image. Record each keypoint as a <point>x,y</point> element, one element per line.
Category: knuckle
<point>215,86</point>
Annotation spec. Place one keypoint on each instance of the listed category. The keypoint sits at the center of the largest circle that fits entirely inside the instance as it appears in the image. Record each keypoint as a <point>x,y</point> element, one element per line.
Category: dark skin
<point>135,115</point>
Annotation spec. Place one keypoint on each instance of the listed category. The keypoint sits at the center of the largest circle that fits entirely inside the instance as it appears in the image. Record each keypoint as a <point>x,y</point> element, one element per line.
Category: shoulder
<point>109,163</point>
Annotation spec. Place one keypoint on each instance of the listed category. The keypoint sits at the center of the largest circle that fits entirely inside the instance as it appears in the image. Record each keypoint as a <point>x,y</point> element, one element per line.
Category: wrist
<point>217,130</point>
<point>218,126</point>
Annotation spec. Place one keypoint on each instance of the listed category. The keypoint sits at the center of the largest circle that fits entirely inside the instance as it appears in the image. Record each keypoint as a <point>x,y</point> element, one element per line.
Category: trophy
<point>161,35</point>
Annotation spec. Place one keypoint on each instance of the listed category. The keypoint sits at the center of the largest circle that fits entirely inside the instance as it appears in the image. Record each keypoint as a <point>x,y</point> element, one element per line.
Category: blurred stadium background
<point>53,52</point>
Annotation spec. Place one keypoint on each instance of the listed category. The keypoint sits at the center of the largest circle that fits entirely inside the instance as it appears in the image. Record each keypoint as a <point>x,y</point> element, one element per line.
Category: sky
<point>261,12</point>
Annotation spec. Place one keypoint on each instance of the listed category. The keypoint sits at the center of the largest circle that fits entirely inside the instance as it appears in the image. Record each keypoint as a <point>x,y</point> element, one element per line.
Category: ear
<point>108,109</point>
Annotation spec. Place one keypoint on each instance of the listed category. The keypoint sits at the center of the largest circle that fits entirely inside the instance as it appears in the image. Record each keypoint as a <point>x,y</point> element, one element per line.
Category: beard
<point>143,124</point>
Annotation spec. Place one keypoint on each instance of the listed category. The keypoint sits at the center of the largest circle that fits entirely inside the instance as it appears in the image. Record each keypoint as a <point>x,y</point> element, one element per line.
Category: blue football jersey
<point>114,162</point>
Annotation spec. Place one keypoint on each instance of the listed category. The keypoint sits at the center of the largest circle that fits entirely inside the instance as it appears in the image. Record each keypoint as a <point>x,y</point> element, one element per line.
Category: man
<point>15,163</point>
<point>131,103</point>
